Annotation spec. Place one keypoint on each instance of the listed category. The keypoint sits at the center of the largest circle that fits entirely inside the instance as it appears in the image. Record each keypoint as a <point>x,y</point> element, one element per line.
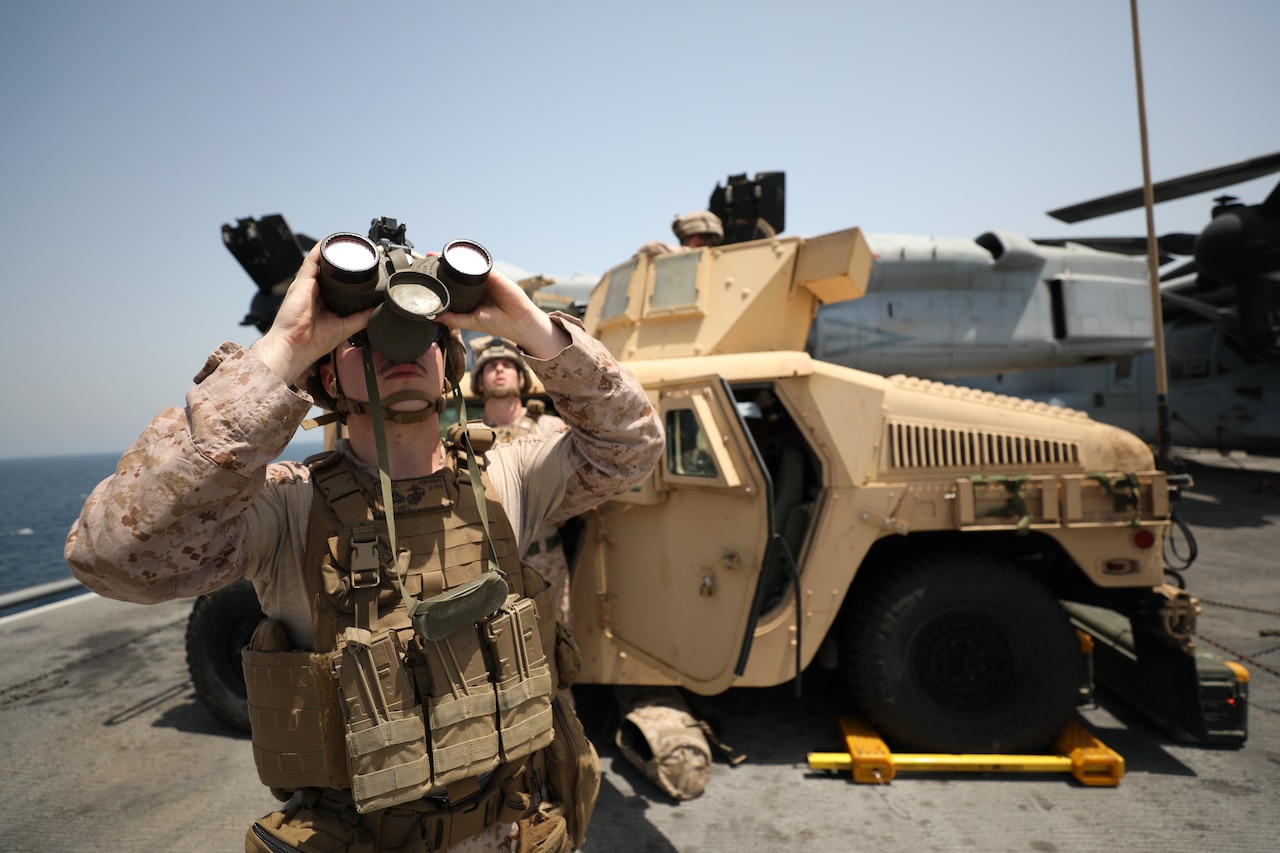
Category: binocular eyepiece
<point>355,275</point>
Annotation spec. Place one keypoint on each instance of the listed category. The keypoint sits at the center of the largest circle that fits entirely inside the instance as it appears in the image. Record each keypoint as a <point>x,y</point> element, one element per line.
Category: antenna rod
<point>1163,441</point>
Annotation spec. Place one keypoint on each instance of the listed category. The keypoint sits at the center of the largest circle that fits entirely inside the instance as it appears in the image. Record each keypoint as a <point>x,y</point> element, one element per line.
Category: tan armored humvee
<point>925,533</point>
<point>970,561</point>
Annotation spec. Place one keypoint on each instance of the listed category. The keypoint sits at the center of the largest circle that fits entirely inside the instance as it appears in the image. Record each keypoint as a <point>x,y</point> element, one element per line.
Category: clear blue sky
<point>561,135</point>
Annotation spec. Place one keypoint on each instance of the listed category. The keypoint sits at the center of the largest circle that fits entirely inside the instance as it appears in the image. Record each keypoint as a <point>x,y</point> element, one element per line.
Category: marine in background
<point>501,378</point>
<point>695,230</point>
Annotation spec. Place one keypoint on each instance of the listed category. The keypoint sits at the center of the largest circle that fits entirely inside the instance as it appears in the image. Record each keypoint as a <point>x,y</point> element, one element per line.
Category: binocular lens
<point>348,273</point>
<point>467,258</point>
<point>464,267</point>
<point>350,253</point>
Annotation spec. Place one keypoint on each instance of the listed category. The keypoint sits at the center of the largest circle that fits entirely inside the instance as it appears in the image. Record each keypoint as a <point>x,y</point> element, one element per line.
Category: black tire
<point>220,625</point>
<point>956,652</point>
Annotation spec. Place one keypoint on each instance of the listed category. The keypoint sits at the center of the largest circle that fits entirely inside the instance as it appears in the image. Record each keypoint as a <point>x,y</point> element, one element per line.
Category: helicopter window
<point>687,453</point>
<point>618,287</point>
<point>675,280</point>
<point>1195,368</point>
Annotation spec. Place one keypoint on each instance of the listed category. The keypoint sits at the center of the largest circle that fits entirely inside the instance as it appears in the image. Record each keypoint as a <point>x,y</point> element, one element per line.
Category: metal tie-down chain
<point>1271,632</point>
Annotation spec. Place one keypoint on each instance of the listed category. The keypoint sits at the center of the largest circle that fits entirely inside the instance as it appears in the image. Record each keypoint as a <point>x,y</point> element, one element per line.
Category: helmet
<point>486,349</point>
<point>699,222</point>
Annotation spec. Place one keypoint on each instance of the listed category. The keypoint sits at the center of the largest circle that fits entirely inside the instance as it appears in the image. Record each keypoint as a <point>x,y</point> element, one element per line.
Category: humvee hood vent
<point>924,440</point>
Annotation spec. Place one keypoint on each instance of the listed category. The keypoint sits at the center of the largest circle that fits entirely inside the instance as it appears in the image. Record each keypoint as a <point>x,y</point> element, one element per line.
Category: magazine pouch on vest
<point>453,680</point>
<point>521,677</point>
<point>385,738</point>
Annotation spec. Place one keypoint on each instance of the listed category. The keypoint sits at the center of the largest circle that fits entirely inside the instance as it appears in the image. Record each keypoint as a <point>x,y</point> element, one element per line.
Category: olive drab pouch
<point>664,740</point>
<point>573,769</point>
<point>466,604</point>
<point>461,708</point>
<point>521,677</point>
<point>296,733</point>
<point>386,739</point>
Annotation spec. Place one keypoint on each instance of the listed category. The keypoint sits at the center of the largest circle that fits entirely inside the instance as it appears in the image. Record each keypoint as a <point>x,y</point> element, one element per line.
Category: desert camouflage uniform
<point>545,553</point>
<point>196,502</point>
<point>659,735</point>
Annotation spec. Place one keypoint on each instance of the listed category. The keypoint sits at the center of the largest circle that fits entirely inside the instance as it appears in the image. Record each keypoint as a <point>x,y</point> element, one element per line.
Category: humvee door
<point>680,568</point>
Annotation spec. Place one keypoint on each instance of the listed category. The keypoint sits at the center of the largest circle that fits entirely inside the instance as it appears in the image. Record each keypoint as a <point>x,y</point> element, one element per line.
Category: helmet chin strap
<point>343,406</point>
<point>347,406</point>
<point>501,393</point>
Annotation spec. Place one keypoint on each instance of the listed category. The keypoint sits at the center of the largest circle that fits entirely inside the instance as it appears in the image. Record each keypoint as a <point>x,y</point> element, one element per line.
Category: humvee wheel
<point>220,625</point>
<point>957,652</point>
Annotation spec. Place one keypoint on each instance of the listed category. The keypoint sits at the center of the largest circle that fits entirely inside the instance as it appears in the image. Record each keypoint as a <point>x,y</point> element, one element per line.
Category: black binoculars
<point>355,275</point>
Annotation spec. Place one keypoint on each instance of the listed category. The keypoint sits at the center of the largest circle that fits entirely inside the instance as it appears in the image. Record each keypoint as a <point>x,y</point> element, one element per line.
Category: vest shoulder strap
<point>336,485</point>
<point>333,477</point>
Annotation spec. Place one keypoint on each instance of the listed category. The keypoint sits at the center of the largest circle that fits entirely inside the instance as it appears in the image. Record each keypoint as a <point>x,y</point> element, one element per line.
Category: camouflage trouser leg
<point>659,735</point>
<point>554,568</point>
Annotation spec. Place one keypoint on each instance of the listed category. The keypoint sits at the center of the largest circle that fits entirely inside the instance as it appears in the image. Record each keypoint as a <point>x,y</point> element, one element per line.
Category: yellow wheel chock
<point>1078,752</point>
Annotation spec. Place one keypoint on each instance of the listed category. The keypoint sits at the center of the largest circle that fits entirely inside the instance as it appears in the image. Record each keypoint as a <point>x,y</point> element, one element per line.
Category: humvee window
<point>687,453</point>
<point>675,280</point>
<point>615,300</point>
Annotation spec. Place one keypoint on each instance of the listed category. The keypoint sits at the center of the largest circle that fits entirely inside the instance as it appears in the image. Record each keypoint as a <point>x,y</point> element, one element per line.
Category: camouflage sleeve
<point>186,511</point>
<point>613,440</point>
<point>550,425</point>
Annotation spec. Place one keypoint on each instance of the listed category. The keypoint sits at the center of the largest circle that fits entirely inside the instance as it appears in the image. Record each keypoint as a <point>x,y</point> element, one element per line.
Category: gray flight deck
<point>106,747</point>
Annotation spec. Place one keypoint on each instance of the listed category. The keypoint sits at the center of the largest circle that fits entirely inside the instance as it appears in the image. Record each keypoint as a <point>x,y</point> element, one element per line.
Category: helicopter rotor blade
<point>1197,182</point>
<point>1173,243</point>
<point>1186,268</point>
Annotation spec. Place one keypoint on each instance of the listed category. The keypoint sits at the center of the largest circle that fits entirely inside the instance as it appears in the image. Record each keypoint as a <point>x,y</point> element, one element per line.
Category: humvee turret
<point>924,534</point>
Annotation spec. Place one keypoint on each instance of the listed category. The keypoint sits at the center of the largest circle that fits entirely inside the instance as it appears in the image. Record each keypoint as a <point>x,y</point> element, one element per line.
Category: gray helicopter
<point>1221,312</point>
<point>1069,320</point>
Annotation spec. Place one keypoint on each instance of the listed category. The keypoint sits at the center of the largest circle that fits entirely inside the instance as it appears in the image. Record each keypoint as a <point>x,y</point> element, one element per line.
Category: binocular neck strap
<point>384,475</point>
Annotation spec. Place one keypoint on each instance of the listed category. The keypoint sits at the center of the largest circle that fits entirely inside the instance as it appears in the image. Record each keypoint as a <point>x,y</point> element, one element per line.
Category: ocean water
<point>39,500</point>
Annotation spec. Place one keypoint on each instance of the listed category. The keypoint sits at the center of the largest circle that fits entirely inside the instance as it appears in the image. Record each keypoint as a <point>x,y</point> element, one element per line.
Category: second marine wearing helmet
<point>501,377</point>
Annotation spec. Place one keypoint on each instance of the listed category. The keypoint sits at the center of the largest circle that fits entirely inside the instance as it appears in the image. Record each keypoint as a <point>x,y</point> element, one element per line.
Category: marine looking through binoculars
<point>409,292</point>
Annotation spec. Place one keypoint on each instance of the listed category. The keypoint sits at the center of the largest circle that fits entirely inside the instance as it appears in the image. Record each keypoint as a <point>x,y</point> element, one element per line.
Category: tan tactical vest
<point>377,706</point>
<point>523,425</point>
